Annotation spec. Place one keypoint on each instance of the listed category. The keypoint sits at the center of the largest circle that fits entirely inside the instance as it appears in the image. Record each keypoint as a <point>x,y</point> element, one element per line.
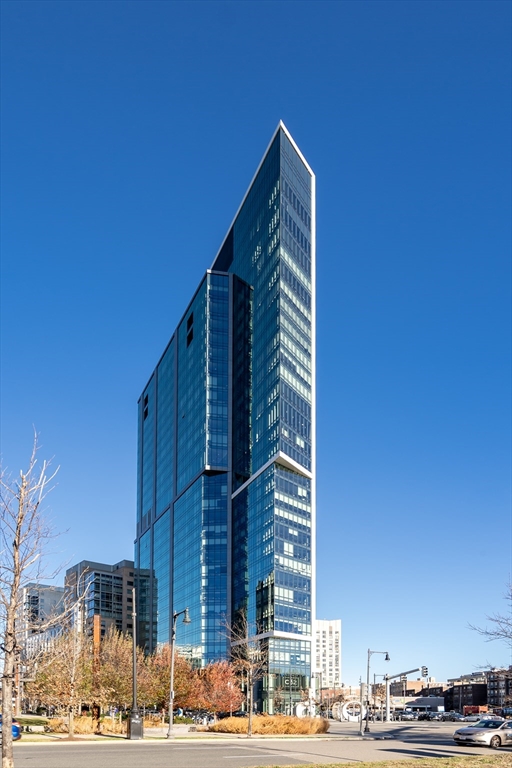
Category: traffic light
<point>424,671</point>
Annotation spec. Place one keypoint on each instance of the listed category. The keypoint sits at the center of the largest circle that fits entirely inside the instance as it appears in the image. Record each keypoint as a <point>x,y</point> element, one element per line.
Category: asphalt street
<point>342,744</point>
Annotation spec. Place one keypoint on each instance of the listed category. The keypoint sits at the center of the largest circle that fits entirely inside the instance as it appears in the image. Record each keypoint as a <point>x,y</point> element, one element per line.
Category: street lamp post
<point>367,725</point>
<point>375,676</point>
<point>230,686</point>
<point>186,620</point>
<point>135,728</point>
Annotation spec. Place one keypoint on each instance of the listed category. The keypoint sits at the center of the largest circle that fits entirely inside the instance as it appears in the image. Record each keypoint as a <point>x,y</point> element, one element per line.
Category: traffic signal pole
<point>387,678</point>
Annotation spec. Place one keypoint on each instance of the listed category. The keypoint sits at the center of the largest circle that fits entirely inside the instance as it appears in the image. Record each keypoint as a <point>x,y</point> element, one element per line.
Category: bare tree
<point>24,534</point>
<point>249,656</point>
<point>278,700</point>
<point>501,624</point>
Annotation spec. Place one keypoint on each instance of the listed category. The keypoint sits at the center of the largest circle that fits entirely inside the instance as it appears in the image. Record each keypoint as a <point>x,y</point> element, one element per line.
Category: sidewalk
<point>184,733</point>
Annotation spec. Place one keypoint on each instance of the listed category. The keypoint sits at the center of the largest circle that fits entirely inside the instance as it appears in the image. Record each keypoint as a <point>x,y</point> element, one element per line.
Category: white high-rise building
<point>328,653</point>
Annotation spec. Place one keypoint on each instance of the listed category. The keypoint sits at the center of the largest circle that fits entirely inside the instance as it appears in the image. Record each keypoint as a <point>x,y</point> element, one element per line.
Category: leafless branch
<point>24,536</point>
<point>249,655</point>
<point>501,624</point>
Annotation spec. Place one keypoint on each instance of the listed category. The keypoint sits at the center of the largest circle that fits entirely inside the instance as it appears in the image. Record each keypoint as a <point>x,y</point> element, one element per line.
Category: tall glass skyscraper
<point>226,454</point>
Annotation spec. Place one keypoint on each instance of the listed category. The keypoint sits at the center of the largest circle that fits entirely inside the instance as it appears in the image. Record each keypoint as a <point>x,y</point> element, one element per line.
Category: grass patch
<point>275,725</point>
<point>28,720</point>
<point>466,761</point>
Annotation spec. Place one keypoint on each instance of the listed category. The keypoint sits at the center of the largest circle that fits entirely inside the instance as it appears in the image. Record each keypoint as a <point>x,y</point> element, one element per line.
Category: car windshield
<point>489,724</point>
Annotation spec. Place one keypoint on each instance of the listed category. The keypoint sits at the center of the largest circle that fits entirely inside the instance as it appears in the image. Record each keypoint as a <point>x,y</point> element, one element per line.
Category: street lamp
<point>186,620</point>
<point>135,729</point>
<point>386,658</point>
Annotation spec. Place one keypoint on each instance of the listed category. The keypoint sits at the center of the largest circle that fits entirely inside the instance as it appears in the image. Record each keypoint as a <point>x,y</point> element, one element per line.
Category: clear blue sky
<point>130,132</point>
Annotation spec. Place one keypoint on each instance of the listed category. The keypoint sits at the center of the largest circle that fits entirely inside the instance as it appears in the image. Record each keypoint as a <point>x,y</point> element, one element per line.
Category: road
<point>409,740</point>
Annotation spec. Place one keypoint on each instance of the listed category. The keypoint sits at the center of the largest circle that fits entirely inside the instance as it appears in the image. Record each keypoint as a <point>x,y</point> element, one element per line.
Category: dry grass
<point>113,726</point>
<point>81,725</point>
<point>276,725</point>
<point>154,721</point>
<point>85,725</point>
<point>57,725</point>
<point>466,761</point>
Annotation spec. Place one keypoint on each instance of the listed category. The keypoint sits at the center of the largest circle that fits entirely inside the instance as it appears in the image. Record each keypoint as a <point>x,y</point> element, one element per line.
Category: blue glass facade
<point>200,568</point>
<point>226,439</point>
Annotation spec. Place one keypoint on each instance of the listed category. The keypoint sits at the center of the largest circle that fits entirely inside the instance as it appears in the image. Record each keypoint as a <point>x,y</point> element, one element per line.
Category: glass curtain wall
<point>270,247</point>
<point>181,551</point>
<point>226,449</point>
<point>200,569</point>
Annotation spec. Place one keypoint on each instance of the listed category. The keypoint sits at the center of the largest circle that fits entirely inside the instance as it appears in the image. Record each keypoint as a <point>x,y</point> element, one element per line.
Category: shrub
<point>273,725</point>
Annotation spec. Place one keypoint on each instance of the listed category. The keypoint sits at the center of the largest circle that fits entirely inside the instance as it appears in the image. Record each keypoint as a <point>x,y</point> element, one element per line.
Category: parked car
<point>473,718</point>
<point>16,729</point>
<point>434,716</point>
<point>405,715</point>
<point>453,717</point>
<point>493,733</point>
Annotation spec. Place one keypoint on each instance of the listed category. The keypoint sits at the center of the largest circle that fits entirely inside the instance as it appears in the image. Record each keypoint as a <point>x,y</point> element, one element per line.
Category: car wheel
<point>495,742</point>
